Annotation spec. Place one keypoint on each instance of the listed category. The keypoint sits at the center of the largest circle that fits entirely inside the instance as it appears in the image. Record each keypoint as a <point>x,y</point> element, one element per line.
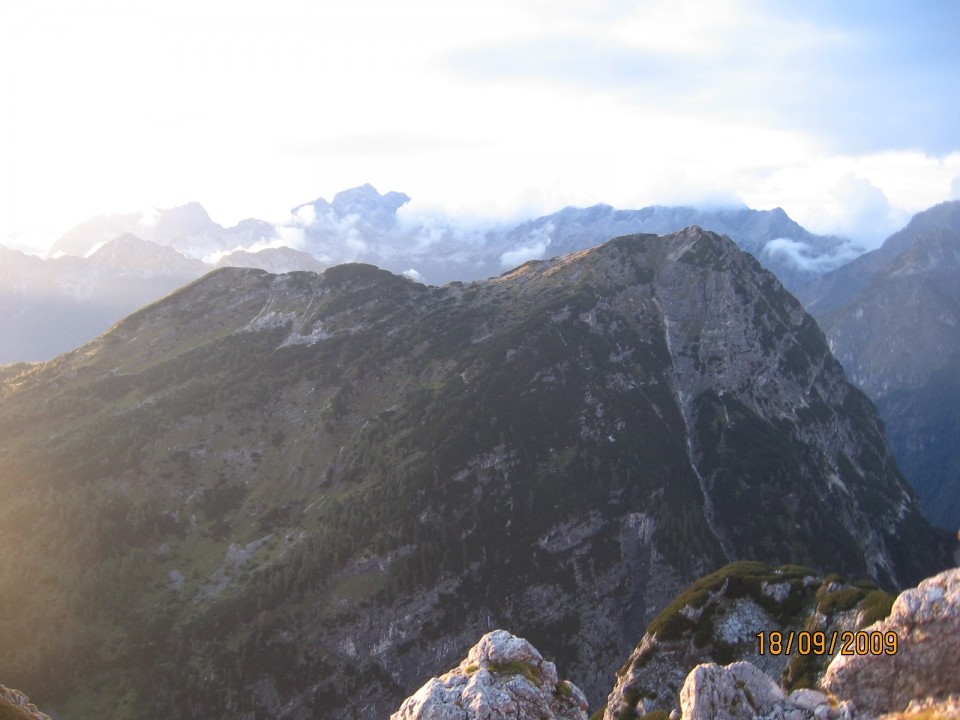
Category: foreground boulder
<point>14,705</point>
<point>739,691</point>
<point>926,620</point>
<point>502,677</point>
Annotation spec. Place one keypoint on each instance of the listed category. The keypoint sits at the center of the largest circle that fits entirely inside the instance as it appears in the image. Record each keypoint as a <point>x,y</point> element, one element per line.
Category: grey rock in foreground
<point>503,676</point>
<point>740,691</point>
<point>927,662</point>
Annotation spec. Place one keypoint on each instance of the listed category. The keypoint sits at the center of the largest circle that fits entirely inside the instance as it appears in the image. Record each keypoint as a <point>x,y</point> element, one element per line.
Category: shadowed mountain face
<point>301,494</point>
<point>893,320</point>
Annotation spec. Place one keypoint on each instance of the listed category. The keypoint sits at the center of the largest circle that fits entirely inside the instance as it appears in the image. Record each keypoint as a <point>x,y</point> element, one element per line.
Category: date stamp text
<point>805,642</point>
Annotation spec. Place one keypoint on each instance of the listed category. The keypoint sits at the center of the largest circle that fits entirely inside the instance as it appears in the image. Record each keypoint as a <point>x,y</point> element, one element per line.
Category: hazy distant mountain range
<point>362,225</point>
<point>298,495</point>
<point>50,306</point>
<point>107,267</point>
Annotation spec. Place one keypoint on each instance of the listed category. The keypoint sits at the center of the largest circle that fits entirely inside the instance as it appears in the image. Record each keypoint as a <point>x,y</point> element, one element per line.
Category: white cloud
<point>149,217</point>
<point>263,243</point>
<point>355,243</point>
<point>293,237</point>
<point>513,258</point>
<point>534,250</point>
<point>305,215</point>
<point>512,106</point>
<point>864,212</point>
<point>845,203</point>
<point>803,255</point>
<point>866,197</point>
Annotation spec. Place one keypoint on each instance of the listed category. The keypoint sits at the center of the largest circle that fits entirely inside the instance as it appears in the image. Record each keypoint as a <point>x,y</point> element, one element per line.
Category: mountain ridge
<point>360,225</point>
<point>892,317</point>
<point>347,475</point>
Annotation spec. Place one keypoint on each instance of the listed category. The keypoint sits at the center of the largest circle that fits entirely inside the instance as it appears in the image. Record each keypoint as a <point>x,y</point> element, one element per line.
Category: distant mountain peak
<point>944,215</point>
<point>892,316</point>
<point>366,196</point>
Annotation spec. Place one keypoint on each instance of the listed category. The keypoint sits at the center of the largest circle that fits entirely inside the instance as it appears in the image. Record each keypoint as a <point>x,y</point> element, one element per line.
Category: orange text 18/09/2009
<point>805,642</point>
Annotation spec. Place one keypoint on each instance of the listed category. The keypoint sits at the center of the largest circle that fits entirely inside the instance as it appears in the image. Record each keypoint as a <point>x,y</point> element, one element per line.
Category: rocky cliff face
<point>926,621</point>
<point>893,320</point>
<point>914,676</point>
<point>281,494</point>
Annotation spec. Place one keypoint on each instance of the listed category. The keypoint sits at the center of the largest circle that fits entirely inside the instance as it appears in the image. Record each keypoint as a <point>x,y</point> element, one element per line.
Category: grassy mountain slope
<point>286,495</point>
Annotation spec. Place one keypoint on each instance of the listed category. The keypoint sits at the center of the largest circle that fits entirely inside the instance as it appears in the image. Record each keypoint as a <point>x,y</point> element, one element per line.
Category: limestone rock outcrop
<point>741,691</point>
<point>716,621</point>
<point>926,620</point>
<point>503,677</point>
<point>17,706</point>
<point>920,679</point>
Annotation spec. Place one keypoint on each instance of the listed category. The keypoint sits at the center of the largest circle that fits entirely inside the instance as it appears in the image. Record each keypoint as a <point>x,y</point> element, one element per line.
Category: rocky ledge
<point>920,678</point>
<point>14,705</point>
<point>502,677</point>
<point>926,620</point>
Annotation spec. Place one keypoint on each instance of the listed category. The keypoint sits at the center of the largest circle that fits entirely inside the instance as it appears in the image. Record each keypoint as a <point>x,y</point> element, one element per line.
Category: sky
<point>845,114</point>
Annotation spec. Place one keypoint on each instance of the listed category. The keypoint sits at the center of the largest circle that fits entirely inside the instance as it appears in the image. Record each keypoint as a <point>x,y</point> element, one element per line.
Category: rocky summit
<point>502,677</point>
<point>299,494</point>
